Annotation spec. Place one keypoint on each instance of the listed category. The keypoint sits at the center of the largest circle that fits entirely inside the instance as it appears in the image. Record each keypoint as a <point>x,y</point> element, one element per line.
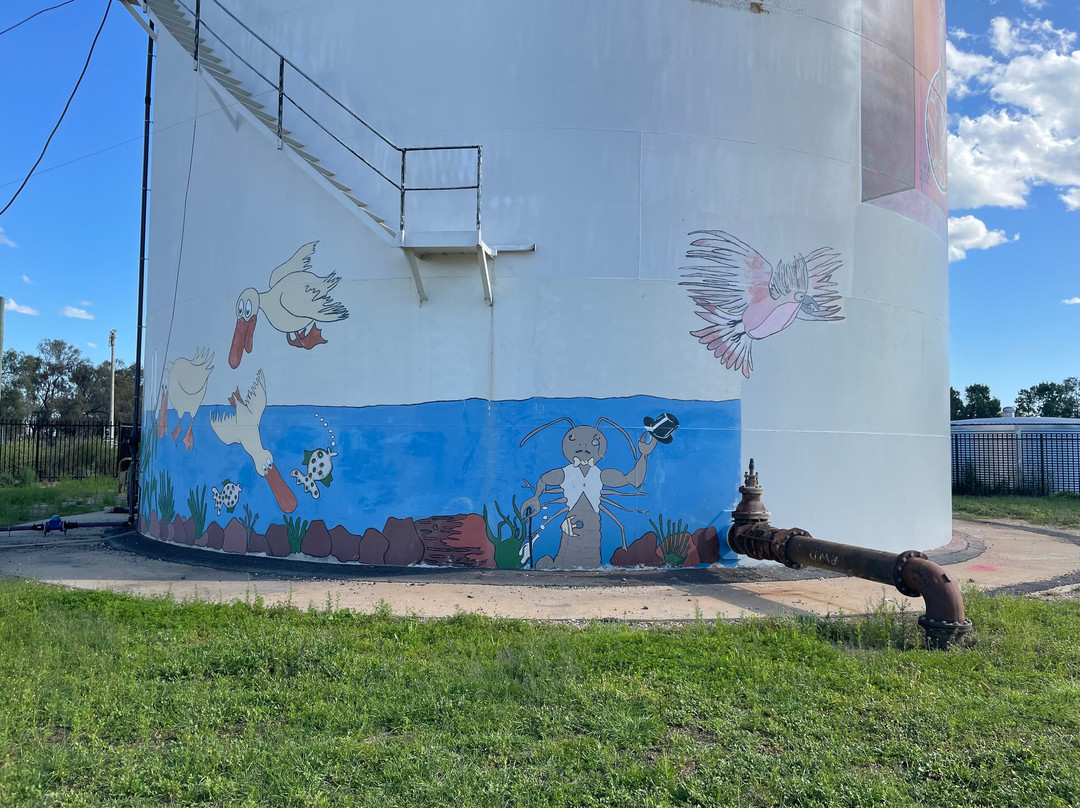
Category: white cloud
<point>79,314</point>
<point>1046,86</point>
<point>86,303</point>
<point>26,279</point>
<point>1035,36</point>
<point>4,240</point>
<point>959,34</point>
<point>968,233</point>
<point>1072,301</point>
<point>996,158</point>
<point>91,345</point>
<point>962,67</point>
<point>1031,133</point>
<point>1036,4</point>
<point>11,305</point>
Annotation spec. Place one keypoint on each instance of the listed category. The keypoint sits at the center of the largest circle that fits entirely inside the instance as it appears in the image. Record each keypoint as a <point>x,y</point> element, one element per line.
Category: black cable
<point>183,230</point>
<point>108,6</point>
<point>35,14</point>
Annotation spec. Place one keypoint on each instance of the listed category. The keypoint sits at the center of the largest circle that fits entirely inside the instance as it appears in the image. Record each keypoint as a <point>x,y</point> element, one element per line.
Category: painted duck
<point>296,302</point>
<point>184,386</point>
<point>744,298</point>
<point>242,426</point>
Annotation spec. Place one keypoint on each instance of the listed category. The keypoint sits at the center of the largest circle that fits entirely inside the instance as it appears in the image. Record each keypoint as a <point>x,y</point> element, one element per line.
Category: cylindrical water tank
<point>709,230</point>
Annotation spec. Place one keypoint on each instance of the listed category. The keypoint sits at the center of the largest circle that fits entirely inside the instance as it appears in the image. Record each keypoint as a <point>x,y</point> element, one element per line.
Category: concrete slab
<point>988,555</point>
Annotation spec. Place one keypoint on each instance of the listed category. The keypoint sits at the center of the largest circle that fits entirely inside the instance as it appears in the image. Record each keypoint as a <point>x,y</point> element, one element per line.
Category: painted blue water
<point>454,457</point>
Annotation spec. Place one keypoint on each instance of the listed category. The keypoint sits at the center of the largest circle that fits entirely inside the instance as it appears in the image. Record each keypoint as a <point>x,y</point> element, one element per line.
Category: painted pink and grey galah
<point>744,298</point>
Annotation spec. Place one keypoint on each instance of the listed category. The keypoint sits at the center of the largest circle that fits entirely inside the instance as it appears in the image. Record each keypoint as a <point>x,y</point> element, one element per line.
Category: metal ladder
<point>188,26</point>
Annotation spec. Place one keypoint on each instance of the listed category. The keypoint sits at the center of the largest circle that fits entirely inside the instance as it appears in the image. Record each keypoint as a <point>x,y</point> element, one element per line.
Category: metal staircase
<point>239,64</point>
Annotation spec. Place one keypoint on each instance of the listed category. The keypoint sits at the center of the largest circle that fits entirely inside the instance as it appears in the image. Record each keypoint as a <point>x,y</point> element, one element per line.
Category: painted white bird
<point>184,386</point>
<point>242,426</point>
<point>296,302</point>
<point>744,298</point>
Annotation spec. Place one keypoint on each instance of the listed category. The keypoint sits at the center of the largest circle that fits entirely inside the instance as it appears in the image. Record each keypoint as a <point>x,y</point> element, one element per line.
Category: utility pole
<point>112,387</point>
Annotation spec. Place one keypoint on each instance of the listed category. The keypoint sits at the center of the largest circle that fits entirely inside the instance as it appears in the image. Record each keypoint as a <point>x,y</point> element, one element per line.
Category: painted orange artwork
<point>904,117</point>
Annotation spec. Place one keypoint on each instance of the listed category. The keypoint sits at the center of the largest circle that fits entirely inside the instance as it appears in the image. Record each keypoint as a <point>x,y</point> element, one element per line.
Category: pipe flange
<point>941,634</point>
<point>780,548</point>
<point>898,572</point>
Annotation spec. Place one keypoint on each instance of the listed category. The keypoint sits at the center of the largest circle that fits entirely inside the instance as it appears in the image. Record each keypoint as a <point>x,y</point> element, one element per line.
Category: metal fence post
<point>401,223</point>
<point>198,15</point>
<point>280,97</point>
<point>1044,489</point>
<point>37,449</point>
<point>479,182</point>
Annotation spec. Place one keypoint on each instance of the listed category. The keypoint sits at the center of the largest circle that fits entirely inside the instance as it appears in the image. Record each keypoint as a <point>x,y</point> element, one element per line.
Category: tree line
<point>59,384</point>
<point>1046,399</point>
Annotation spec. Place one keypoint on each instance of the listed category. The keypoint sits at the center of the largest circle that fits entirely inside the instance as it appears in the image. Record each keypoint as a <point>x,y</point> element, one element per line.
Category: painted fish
<point>227,497</point>
<point>319,466</point>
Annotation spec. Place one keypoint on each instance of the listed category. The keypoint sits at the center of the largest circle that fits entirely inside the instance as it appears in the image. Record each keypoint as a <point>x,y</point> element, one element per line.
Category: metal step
<point>181,27</point>
<point>223,75</point>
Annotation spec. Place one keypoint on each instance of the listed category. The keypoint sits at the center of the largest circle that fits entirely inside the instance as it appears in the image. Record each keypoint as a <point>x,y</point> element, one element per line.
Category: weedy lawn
<point>1061,510</point>
<point>111,700</point>
<point>34,501</point>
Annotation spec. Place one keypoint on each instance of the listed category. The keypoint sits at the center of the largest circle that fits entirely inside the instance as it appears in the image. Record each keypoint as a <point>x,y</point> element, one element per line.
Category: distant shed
<point>1034,456</point>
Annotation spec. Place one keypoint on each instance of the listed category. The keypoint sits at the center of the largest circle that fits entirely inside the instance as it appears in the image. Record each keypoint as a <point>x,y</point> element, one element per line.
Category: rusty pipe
<point>911,572</point>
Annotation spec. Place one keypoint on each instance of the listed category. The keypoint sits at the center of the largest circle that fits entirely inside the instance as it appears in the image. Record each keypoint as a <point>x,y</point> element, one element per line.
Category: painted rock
<point>277,539</point>
<point>405,548</point>
<point>317,540</point>
<point>257,544</point>
<point>640,553</point>
<point>344,546</point>
<point>215,536</point>
<point>457,541</point>
<point>373,547</point>
<point>235,537</point>
<point>707,543</point>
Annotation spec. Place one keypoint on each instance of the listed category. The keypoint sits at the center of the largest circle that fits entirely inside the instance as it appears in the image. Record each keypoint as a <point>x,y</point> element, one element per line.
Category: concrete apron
<point>988,555</point>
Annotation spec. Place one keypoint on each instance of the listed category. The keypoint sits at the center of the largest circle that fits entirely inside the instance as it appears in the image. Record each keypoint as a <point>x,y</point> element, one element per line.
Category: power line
<point>35,14</point>
<point>134,139</point>
<point>93,44</point>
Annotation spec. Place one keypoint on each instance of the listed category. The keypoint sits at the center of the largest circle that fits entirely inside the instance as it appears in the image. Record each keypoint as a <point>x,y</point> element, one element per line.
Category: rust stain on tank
<point>753,6</point>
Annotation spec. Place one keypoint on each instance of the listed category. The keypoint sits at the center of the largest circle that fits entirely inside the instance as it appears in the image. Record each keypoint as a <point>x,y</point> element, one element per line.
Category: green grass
<point>112,700</point>
<point>35,502</point>
<point>1062,510</point>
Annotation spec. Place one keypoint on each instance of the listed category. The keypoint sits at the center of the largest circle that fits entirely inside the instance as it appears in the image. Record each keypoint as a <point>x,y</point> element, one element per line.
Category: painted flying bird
<point>744,298</point>
<point>242,426</point>
<point>296,302</point>
<point>184,386</point>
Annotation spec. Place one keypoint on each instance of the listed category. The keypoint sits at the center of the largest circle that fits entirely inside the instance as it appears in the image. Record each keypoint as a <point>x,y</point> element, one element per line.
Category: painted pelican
<point>242,426</point>
<point>296,302</point>
<point>184,386</point>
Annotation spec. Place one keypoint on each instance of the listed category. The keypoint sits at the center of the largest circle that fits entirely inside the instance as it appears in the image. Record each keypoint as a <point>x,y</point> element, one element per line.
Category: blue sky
<point>69,244</point>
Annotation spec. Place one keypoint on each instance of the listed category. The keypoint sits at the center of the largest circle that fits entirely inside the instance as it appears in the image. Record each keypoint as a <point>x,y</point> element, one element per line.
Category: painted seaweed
<point>166,502</point>
<point>508,549</point>
<point>674,541</point>
<point>296,528</point>
<point>197,506</point>
<point>248,521</point>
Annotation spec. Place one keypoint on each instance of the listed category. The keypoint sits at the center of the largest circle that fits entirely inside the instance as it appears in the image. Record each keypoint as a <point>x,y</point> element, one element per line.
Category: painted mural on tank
<point>542,483</point>
<point>904,120</point>
<point>743,298</point>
